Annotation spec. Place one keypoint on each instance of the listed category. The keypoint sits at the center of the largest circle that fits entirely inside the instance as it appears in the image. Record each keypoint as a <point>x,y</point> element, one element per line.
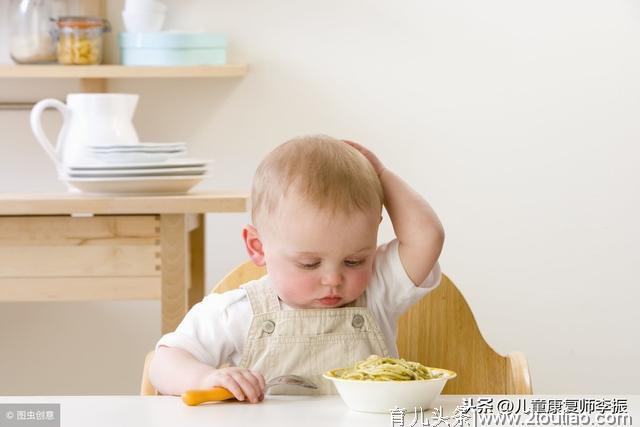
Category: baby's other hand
<point>373,159</point>
<point>243,383</point>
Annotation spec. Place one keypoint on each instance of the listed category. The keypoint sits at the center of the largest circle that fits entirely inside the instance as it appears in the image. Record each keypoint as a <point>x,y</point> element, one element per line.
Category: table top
<point>69,203</point>
<point>307,411</point>
<point>138,411</point>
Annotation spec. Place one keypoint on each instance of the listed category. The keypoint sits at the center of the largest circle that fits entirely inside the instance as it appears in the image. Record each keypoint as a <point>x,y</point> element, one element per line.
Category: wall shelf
<point>93,78</point>
<point>119,71</point>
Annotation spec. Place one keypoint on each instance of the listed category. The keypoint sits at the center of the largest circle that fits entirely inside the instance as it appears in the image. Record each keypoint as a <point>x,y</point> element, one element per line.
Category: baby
<point>331,295</point>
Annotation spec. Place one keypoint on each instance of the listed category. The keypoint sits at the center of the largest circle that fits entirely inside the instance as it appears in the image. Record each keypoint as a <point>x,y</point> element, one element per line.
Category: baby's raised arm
<point>173,371</point>
<point>417,227</point>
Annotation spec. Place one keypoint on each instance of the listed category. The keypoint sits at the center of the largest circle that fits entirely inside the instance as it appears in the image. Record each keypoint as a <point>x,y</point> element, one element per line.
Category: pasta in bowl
<point>379,384</point>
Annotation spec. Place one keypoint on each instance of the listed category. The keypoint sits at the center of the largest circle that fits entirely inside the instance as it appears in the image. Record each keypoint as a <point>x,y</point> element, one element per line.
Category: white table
<point>169,411</point>
<point>307,411</point>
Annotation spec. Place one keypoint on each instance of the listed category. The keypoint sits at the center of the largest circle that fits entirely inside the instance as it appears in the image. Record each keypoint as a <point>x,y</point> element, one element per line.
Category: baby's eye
<point>308,266</point>
<point>353,262</point>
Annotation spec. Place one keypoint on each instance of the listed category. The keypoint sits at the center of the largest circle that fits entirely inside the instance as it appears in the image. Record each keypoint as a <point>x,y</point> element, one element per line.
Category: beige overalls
<point>307,342</point>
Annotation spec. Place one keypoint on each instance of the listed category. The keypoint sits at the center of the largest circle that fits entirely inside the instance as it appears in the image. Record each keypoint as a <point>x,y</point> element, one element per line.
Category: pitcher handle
<point>36,126</point>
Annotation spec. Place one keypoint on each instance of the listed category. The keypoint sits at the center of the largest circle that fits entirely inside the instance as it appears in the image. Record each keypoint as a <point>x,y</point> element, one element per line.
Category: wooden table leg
<point>196,243</point>
<point>174,244</point>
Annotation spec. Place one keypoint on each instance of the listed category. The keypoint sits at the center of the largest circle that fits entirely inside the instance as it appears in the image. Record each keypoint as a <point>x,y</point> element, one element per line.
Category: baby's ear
<point>253,244</point>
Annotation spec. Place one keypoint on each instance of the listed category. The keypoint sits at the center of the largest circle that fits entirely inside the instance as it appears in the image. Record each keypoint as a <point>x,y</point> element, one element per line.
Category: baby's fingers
<point>373,159</point>
<point>359,147</point>
<point>249,385</point>
<point>257,380</point>
<point>232,385</point>
<point>260,379</point>
<point>354,145</point>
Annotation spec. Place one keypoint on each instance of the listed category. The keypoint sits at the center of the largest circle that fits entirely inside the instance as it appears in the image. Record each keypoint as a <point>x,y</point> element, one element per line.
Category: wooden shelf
<point>119,71</point>
<point>69,203</point>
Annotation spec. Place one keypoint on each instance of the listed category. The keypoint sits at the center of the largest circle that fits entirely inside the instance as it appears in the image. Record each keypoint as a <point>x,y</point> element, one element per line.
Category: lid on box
<point>172,39</point>
<point>82,22</point>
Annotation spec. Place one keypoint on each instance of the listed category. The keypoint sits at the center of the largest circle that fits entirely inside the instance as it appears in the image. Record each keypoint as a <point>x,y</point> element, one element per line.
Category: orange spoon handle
<point>196,397</point>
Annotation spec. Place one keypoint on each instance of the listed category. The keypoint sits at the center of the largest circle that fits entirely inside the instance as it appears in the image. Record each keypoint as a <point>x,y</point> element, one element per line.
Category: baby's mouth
<point>330,301</point>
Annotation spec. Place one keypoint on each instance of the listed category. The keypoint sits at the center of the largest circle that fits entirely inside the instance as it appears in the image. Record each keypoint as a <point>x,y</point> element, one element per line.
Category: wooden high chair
<point>439,331</point>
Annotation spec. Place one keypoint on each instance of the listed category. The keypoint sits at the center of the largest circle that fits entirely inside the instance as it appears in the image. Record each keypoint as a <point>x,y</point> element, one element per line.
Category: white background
<point>516,120</point>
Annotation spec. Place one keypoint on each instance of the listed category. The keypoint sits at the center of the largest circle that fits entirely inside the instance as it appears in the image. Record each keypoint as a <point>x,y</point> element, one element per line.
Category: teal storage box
<point>173,48</point>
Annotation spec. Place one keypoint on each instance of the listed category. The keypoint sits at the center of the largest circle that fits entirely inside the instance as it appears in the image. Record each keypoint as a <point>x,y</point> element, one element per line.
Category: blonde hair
<point>325,171</point>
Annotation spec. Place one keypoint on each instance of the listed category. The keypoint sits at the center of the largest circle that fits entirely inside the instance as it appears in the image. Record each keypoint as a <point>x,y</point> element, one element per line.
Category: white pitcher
<point>89,119</point>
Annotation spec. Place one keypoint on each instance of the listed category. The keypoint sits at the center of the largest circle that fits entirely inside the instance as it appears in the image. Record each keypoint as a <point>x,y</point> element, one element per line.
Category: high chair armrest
<point>518,376</point>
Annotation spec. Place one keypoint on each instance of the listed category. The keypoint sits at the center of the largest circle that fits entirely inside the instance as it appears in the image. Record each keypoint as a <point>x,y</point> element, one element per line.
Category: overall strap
<point>262,296</point>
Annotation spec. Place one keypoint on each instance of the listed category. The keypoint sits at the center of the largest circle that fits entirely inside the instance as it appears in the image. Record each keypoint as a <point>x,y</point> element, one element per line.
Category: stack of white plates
<point>144,168</point>
<point>147,152</point>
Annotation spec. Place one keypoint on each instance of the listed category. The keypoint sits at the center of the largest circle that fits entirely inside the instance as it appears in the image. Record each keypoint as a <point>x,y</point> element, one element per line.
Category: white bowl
<point>382,396</point>
<point>143,22</point>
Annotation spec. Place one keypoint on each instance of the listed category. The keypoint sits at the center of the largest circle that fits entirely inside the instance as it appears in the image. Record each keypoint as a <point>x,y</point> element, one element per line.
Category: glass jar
<point>31,30</point>
<point>80,39</point>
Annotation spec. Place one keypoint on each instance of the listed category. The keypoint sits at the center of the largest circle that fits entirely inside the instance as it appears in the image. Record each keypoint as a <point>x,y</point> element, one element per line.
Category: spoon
<point>196,397</point>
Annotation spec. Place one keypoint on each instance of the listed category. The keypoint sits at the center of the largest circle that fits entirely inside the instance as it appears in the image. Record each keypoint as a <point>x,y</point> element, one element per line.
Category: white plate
<point>132,172</point>
<point>134,157</point>
<point>138,150</point>
<point>137,186</point>
<point>141,146</point>
<point>175,163</point>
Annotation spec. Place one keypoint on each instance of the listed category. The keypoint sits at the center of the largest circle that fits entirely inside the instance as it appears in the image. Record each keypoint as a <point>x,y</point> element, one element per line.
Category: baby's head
<point>316,206</point>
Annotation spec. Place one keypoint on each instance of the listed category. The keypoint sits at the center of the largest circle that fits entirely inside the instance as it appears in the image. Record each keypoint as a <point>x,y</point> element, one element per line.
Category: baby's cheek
<point>298,287</point>
<point>360,279</point>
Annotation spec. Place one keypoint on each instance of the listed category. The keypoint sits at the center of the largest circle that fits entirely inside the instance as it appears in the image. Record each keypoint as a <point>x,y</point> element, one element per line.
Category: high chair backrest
<point>439,331</point>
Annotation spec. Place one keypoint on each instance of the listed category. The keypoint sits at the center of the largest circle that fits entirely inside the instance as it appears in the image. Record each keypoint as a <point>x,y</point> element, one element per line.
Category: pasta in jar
<point>80,40</point>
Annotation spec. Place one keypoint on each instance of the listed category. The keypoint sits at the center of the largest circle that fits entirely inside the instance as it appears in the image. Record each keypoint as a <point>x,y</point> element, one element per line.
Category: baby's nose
<point>332,278</point>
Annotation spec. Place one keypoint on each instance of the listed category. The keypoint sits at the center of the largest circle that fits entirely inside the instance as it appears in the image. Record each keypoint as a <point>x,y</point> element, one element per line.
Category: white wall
<point>516,120</point>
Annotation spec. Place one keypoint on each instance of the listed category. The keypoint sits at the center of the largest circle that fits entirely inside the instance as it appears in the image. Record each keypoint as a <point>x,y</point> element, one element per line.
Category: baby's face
<point>318,260</point>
